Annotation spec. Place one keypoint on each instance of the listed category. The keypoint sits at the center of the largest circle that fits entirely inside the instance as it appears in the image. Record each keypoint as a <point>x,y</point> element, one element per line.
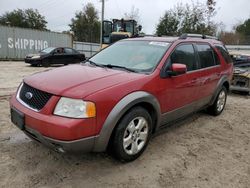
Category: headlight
<point>35,57</point>
<point>75,108</point>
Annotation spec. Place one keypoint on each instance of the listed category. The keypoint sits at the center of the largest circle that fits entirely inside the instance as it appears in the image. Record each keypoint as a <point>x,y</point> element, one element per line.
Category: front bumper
<point>60,133</point>
<point>32,61</point>
<point>80,145</point>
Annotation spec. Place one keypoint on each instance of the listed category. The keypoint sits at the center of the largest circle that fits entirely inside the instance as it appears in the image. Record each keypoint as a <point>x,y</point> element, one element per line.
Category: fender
<point>101,142</point>
<point>222,80</point>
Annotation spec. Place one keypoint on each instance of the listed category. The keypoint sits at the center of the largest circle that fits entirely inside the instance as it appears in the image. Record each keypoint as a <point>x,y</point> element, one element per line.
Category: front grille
<point>32,97</point>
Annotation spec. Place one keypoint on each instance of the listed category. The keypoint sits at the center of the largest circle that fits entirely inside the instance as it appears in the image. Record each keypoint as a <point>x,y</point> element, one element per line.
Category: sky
<point>58,13</point>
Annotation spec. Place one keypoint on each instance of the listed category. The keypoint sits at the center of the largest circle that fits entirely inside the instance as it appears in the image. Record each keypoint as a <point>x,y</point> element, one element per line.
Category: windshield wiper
<point>109,66</point>
<point>120,67</point>
<point>93,63</point>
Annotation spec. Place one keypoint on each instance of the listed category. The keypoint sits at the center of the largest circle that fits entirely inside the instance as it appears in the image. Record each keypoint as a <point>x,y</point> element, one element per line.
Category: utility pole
<point>102,18</point>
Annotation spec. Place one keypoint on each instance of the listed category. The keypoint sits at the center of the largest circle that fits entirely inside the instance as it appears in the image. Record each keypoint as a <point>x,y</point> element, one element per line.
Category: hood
<point>78,81</point>
<point>31,55</point>
<point>36,54</point>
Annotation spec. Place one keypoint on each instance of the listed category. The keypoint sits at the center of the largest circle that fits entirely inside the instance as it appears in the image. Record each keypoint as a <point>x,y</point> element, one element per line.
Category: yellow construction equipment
<point>119,29</point>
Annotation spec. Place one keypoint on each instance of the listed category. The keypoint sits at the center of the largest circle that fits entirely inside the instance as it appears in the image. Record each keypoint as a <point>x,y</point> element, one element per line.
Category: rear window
<point>69,51</point>
<point>206,55</point>
<point>224,53</point>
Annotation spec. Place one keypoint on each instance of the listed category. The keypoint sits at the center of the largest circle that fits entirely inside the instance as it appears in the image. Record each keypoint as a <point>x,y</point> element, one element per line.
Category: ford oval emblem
<point>28,95</point>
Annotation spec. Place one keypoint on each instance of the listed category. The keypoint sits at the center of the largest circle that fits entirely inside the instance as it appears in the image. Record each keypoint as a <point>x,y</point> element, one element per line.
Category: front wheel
<point>219,103</point>
<point>132,135</point>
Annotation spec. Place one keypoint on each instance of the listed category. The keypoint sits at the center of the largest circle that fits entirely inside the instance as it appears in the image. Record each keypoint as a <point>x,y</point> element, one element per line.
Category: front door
<point>58,56</point>
<point>179,93</point>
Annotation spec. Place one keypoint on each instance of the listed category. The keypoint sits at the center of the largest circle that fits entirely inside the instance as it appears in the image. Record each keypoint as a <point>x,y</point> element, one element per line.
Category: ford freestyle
<point>122,95</point>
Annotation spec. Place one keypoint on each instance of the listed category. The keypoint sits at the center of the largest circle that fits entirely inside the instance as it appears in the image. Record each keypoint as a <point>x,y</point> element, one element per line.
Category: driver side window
<point>59,51</point>
<point>184,54</point>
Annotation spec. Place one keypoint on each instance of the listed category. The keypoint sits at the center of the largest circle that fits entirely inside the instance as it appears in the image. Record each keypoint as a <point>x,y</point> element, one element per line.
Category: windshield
<point>140,56</point>
<point>47,50</point>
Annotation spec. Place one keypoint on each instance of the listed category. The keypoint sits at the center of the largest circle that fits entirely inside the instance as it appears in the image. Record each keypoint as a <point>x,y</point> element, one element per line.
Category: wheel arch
<point>139,98</point>
<point>222,82</point>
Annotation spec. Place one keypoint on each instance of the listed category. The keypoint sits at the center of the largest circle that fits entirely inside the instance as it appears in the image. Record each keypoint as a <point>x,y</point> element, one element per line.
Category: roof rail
<point>191,35</point>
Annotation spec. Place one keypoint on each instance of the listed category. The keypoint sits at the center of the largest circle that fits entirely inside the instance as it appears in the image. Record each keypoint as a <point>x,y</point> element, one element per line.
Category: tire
<point>132,135</point>
<point>219,104</point>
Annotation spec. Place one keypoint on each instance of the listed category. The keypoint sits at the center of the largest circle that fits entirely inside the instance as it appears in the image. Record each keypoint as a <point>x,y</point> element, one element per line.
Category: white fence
<point>239,49</point>
<point>88,49</point>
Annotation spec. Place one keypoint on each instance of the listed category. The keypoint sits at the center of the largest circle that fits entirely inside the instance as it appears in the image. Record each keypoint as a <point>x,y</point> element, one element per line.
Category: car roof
<point>173,39</point>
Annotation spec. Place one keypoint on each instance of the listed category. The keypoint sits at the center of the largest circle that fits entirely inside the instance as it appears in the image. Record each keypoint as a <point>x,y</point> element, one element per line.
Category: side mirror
<point>179,68</point>
<point>173,70</point>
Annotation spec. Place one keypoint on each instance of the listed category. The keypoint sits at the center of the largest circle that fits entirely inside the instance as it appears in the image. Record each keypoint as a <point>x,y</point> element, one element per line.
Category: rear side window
<point>224,53</point>
<point>184,54</point>
<point>206,55</point>
<point>69,51</point>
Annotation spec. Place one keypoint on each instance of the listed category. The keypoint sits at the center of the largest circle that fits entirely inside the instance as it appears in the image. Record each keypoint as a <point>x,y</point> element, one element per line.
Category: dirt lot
<point>203,151</point>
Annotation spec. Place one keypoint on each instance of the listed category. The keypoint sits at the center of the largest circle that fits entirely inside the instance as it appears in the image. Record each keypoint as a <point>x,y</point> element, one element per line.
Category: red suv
<point>125,93</point>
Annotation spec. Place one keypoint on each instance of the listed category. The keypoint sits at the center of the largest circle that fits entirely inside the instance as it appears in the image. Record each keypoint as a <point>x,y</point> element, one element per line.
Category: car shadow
<point>54,65</point>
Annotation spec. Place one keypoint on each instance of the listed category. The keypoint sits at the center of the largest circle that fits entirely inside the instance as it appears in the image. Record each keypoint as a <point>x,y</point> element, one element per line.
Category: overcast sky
<point>58,13</point>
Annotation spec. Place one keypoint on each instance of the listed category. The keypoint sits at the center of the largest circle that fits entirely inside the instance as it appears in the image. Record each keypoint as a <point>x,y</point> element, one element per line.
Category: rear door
<point>71,56</point>
<point>209,69</point>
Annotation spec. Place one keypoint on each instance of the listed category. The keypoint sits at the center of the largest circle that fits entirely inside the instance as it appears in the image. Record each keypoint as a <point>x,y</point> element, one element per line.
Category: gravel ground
<point>202,151</point>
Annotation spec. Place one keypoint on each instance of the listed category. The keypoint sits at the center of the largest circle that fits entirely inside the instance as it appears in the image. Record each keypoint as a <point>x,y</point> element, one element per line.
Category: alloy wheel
<point>135,135</point>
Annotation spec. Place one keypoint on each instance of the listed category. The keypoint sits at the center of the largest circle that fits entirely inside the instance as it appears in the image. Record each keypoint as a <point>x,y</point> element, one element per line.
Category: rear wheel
<point>132,135</point>
<point>219,103</point>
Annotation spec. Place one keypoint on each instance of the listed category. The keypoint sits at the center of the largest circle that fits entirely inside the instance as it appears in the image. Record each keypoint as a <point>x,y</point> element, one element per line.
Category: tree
<point>28,18</point>
<point>168,24</point>
<point>194,18</point>
<point>231,38</point>
<point>211,11</point>
<point>244,28</point>
<point>133,15</point>
<point>86,25</point>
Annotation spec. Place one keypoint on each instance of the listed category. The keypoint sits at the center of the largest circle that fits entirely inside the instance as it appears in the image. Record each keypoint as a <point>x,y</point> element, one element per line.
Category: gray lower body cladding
<point>80,145</point>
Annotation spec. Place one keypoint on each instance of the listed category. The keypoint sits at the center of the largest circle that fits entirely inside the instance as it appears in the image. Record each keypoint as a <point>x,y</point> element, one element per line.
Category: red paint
<point>179,68</point>
<point>106,87</point>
